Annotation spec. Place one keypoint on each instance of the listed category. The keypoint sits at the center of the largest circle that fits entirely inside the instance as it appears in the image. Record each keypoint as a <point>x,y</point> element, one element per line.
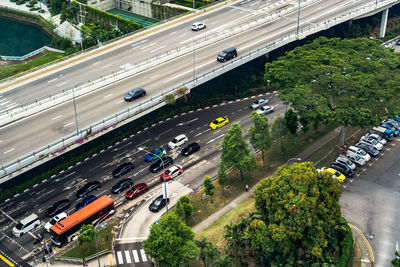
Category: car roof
<point>137,186</point>
<point>174,167</point>
<point>30,218</point>
<point>89,197</point>
<point>137,89</point>
<point>180,136</point>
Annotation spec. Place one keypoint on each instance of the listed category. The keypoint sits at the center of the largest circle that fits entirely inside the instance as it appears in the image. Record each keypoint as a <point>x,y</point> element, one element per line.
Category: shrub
<point>346,244</point>
<point>32,2</point>
<point>20,2</point>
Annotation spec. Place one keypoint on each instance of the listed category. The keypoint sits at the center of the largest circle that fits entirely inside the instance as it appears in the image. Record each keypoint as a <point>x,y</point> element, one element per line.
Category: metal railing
<point>159,100</point>
<point>37,51</point>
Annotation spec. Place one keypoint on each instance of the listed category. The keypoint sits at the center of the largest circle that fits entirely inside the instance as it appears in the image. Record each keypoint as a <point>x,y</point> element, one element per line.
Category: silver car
<point>372,142</point>
<point>265,109</point>
<point>356,159</point>
<point>344,160</point>
<point>259,103</point>
<point>377,137</point>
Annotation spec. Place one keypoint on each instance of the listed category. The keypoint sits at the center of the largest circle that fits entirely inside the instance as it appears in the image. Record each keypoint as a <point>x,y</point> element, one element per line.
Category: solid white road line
<point>135,256</point>
<point>9,150</point>
<point>128,256</point>
<point>144,258</point>
<point>5,102</point>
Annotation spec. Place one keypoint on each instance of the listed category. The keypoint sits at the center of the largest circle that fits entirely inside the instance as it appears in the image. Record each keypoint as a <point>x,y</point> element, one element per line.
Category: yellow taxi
<point>335,174</point>
<point>219,122</point>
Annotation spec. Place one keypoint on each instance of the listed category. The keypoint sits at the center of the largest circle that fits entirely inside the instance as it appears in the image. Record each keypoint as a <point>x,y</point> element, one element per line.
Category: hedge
<point>346,244</point>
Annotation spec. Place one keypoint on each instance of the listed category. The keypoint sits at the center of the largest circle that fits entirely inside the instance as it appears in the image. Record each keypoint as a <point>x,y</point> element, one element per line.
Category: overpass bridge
<point>41,117</point>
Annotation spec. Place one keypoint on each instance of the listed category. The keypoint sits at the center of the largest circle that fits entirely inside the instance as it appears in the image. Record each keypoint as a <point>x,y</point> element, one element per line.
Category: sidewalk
<point>105,260</point>
<point>367,255</point>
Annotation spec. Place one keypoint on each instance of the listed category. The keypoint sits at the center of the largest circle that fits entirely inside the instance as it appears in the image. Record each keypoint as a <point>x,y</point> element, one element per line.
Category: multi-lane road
<point>24,136</point>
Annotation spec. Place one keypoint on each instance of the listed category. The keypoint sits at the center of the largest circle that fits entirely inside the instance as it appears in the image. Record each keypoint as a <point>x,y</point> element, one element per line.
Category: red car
<point>136,190</point>
<point>171,173</point>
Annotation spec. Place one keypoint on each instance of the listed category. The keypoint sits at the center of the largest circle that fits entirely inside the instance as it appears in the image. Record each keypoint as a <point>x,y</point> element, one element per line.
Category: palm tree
<point>225,261</point>
<point>203,245</point>
<point>211,253</point>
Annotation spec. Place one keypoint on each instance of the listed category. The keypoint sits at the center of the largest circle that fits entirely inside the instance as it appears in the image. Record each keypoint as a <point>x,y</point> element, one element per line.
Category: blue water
<point>19,38</point>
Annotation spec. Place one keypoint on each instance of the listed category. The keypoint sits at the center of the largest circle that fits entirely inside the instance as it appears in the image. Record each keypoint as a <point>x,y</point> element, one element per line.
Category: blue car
<point>396,132</point>
<point>155,154</point>
<point>85,202</point>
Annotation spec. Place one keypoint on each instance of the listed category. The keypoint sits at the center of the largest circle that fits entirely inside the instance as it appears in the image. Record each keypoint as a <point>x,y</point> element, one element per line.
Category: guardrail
<point>8,169</point>
<point>37,51</point>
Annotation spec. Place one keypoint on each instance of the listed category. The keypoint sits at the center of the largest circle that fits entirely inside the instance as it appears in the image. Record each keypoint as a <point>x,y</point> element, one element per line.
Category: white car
<point>372,142</point>
<point>346,161</point>
<point>55,220</point>
<point>178,141</point>
<point>377,137</point>
<point>197,26</point>
<point>359,161</point>
<point>265,109</point>
<point>358,151</point>
<point>258,103</point>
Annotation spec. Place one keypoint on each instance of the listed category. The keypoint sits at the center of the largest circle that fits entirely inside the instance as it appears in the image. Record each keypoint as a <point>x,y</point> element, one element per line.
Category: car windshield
<point>222,54</point>
<point>168,172</point>
<point>337,174</point>
<point>215,122</point>
<point>19,226</point>
<point>132,92</point>
<point>258,101</point>
<point>53,221</point>
<point>136,191</point>
<point>157,201</point>
<point>175,140</point>
<point>362,152</point>
<point>373,141</point>
<point>357,157</point>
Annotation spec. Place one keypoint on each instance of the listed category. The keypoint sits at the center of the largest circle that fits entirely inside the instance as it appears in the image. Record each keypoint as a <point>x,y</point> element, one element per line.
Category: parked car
<point>219,122</point>
<point>171,173</point>
<point>158,203</point>
<point>197,26</point>
<point>380,139</point>
<point>358,151</point>
<point>122,169</point>
<point>383,132</point>
<point>25,225</point>
<point>372,142</point>
<point>227,54</point>
<point>356,159</point>
<point>190,149</point>
<point>178,141</point>
<point>373,152</point>
<point>398,42</point>
<point>55,220</point>
<point>121,186</point>
<point>84,202</point>
<point>335,174</point>
<point>258,103</point>
<point>87,188</point>
<point>58,207</point>
<point>161,164</point>
<point>136,190</point>
<point>396,132</point>
<point>155,154</point>
<point>392,122</point>
<point>135,93</point>
<point>343,169</point>
<point>346,161</point>
<point>265,109</point>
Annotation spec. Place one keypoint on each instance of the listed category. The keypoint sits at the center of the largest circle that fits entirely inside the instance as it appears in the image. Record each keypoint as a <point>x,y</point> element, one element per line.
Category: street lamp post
<point>292,159</point>
<point>165,190</point>
<point>73,97</point>
<point>97,247</point>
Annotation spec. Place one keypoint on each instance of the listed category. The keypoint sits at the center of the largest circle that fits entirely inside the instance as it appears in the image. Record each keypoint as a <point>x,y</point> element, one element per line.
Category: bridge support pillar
<point>384,18</point>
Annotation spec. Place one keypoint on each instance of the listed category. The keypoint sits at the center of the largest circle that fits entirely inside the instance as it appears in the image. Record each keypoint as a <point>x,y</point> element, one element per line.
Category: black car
<point>158,165</point>
<point>122,185</point>
<point>227,54</point>
<point>190,149</point>
<point>369,149</point>
<point>158,204</point>
<point>344,169</point>
<point>58,207</point>
<point>135,93</point>
<point>122,169</point>
<point>87,188</point>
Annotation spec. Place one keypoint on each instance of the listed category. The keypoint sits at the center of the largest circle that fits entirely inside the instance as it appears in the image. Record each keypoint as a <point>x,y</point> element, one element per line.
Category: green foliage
<point>86,233</point>
<point>20,2</point>
<point>170,99</point>
<point>346,244</point>
<point>61,43</point>
<point>184,208</point>
<point>56,6</point>
<point>299,214</point>
<point>291,121</point>
<point>396,261</point>
<point>260,135</point>
<point>222,177</point>
<point>170,242</point>
<point>279,132</point>
<point>224,261</point>
<point>236,151</point>
<point>347,82</point>
<point>203,245</point>
<point>208,186</point>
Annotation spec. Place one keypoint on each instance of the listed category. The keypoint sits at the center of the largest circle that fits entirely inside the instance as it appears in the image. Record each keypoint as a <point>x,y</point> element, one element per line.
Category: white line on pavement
<point>56,117</point>
<point>106,66</point>
<point>9,150</point>
<point>135,255</point>
<point>144,258</point>
<point>119,256</point>
<point>119,102</point>
<point>128,256</point>
<point>161,47</point>
<point>97,62</point>
<point>52,80</point>
<point>108,95</point>
<point>68,124</point>
<point>61,84</point>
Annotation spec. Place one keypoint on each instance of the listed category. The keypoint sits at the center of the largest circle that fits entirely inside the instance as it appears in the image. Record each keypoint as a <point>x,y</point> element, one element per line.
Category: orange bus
<point>66,230</point>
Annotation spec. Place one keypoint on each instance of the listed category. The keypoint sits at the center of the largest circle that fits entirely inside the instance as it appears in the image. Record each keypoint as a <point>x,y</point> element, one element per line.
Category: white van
<point>26,224</point>
<point>358,151</point>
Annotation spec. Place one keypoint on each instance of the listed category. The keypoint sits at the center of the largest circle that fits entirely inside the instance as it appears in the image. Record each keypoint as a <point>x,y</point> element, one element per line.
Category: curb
<point>367,254</point>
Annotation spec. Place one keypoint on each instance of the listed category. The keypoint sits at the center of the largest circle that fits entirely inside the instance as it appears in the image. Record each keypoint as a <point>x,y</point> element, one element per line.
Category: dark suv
<point>227,54</point>
<point>190,149</point>
<point>135,93</point>
<point>158,165</point>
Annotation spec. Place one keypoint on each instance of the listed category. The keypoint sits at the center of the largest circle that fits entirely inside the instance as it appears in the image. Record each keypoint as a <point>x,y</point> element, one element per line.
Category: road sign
<point>102,225</point>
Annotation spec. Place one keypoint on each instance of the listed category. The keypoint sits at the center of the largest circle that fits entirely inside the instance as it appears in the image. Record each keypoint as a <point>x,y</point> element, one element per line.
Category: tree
<point>225,261</point>
<point>222,177</point>
<point>170,243</point>
<point>86,234</point>
<point>170,99</point>
<point>260,135</point>
<point>344,82</point>
<point>55,6</point>
<point>279,131</point>
<point>208,186</point>
<point>203,245</point>
<point>291,121</point>
<point>236,151</point>
<point>396,261</point>
<point>299,211</point>
<point>212,253</point>
<point>184,208</point>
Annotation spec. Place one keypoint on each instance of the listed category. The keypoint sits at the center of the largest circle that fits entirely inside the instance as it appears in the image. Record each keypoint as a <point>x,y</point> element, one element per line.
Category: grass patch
<point>215,233</point>
<point>104,239</point>
<point>8,71</point>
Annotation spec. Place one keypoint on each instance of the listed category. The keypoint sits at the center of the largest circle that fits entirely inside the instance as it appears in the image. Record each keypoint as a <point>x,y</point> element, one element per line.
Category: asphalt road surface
<point>25,136</point>
<point>131,254</point>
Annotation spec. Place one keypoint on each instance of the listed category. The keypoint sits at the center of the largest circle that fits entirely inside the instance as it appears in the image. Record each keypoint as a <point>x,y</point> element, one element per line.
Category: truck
<point>383,132</point>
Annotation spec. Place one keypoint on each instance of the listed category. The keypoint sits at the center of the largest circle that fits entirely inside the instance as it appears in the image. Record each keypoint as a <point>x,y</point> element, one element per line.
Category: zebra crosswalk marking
<point>127,256</point>
<point>135,255</point>
<point>144,258</point>
<point>120,259</point>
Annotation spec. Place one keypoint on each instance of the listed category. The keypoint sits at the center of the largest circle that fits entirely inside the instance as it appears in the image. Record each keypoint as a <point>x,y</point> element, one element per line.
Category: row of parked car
<point>369,146</point>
